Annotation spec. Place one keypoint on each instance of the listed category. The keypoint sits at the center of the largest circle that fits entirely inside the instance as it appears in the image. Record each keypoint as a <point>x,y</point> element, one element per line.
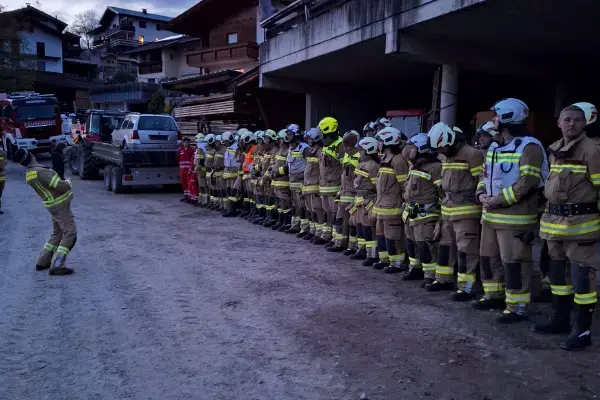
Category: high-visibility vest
<point>248,160</point>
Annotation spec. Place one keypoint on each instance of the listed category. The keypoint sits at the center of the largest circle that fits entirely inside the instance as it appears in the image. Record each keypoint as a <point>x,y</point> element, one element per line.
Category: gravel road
<point>173,302</point>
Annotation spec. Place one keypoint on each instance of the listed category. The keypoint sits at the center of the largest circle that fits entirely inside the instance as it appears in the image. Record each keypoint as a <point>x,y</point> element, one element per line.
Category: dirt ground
<point>174,302</point>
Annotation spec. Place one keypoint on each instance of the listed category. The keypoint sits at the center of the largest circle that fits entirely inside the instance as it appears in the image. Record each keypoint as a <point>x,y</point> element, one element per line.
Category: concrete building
<point>356,59</point>
<point>164,59</point>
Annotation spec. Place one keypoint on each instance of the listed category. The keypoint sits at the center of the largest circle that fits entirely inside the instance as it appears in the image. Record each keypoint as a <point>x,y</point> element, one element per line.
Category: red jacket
<point>185,158</point>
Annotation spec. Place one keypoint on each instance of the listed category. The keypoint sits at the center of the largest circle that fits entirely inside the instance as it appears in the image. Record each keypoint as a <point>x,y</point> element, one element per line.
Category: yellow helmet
<point>328,125</point>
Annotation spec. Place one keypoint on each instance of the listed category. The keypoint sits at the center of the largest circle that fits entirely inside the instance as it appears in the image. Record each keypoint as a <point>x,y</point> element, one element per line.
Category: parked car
<point>147,131</point>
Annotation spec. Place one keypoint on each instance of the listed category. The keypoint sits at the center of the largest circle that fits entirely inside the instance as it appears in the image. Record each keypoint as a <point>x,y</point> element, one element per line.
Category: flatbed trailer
<point>124,168</point>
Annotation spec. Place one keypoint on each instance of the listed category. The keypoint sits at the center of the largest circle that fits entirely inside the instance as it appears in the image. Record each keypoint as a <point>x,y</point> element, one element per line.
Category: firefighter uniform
<point>56,195</point>
<point>460,223</point>
<point>388,210</point>
<point>257,189</point>
<point>210,178</point>
<point>268,160</point>
<point>220,183</point>
<point>512,175</point>
<point>344,238</point>
<point>247,163</point>
<point>2,175</point>
<point>296,163</point>
<point>330,172</point>
<point>230,174</point>
<point>365,184</point>
<point>200,166</point>
<point>185,157</point>
<point>422,197</point>
<point>571,226</point>
<point>310,192</point>
<point>281,187</point>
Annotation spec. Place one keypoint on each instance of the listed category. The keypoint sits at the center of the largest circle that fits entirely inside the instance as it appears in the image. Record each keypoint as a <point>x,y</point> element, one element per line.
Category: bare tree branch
<point>83,25</point>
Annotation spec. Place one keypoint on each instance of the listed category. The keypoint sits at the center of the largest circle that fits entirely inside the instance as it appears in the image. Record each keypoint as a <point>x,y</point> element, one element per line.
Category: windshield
<point>104,124</point>
<point>31,113</point>
<point>156,124</point>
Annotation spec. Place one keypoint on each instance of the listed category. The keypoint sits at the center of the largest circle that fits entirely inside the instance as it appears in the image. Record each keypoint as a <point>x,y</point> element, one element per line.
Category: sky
<point>66,10</point>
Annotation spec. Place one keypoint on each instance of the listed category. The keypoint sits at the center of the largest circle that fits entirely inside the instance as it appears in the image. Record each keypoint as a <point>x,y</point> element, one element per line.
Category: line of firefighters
<point>443,212</point>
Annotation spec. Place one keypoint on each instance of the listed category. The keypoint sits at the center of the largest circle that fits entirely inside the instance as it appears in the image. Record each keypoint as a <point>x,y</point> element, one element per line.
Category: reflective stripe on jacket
<point>48,185</point>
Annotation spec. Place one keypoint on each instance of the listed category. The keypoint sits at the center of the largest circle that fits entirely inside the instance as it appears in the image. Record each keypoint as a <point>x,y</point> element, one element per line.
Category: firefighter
<point>185,154</point>
<point>458,230</point>
<point>514,171</point>
<point>248,141</point>
<point>200,164</point>
<point>571,227</point>
<point>381,123</point>
<point>209,164</point>
<point>485,134</point>
<point>296,163</point>
<point>282,214</point>
<point>230,173</point>
<point>345,231</point>
<point>219,168</point>
<point>422,198</point>
<point>264,181</point>
<point>310,185</point>
<point>56,195</point>
<point>257,192</point>
<point>330,172</point>
<point>365,184</point>
<point>369,129</point>
<point>2,175</point>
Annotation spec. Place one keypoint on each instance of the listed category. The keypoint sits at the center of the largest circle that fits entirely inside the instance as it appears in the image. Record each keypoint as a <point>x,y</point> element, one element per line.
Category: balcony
<point>240,52</point>
<point>122,27</point>
<point>115,44</point>
<point>154,67</point>
<point>132,92</point>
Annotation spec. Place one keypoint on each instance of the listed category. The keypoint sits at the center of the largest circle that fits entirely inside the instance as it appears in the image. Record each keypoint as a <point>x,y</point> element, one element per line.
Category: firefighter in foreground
<point>200,161</point>
<point>296,163</point>
<point>458,229</point>
<point>514,170</point>
<point>230,174</point>
<point>571,226</point>
<point>310,185</point>
<point>2,175</point>
<point>56,195</point>
<point>485,135</point>
<point>423,195</point>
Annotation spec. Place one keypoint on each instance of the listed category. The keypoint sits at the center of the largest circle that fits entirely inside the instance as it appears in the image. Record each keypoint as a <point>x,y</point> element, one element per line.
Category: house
<point>164,59</point>
<point>121,29</point>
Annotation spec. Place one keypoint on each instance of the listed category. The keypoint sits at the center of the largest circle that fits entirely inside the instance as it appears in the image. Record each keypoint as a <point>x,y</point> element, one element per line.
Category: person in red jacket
<point>185,156</point>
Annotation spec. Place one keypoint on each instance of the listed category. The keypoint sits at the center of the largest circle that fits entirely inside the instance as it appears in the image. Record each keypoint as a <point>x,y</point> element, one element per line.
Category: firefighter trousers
<point>314,205</point>
<point>506,261</point>
<point>61,240</point>
<point>299,205</point>
<point>572,271</point>
<point>459,243</point>
<point>390,240</point>
<point>368,228</point>
<point>202,187</point>
<point>423,248</point>
<point>342,226</point>
<point>330,209</point>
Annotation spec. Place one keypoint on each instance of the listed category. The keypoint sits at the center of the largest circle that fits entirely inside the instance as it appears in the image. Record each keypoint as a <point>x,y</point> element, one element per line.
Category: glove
<point>437,232</point>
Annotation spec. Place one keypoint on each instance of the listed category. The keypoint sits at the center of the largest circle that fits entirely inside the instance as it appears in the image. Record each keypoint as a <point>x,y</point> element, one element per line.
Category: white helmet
<point>259,135</point>
<point>368,144</point>
<point>369,127</point>
<point>241,131</point>
<point>282,134</point>
<point>352,132</point>
<point>441,135</point>
<point>295,129</point>
<point>219,138</point>
<point>200,137</point>
<point>590,111</point>
<point>511,111</point>
<point>487,128</point>
<point>421,142</point>
<point>227,137</point>
<point>314,134</point>
<point>384,121</point>
<point>210,138</point>
<point>270,133</point>
<point>390,136</point>
<point>248,137</point>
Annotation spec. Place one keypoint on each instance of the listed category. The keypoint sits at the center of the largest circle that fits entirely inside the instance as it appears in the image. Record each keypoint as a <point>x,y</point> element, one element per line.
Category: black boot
<point>425,282</point>
<point>301,234</point>
<point>580,336</point>
<point>250,215</point>
<point>392,269</point>
<point>319,241</point>
<point>361,254</point>
<point>336,249</point>
<point>381,265</point>
<point>230,210</point>
<point>279,222</point>
<point>488,304</point>
<point>349,252</point>
<point>260,216</point>
<point>287,223</point>
<point>309,236</point>
<point>438,286</point>
<point>294,229</point>
<point>369,262</point>
<point>414,274</point>
<point>245,210</point>
<point>560,320</point>
<point>509,317</point>
<point>271,219</point>
<point>461,295</point>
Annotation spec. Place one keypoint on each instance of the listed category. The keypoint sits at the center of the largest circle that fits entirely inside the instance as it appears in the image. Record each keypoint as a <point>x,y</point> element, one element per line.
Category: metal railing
<point>125,87</point>
<point>122,27</point>
<point>150,67</point>
<point>214,54</point>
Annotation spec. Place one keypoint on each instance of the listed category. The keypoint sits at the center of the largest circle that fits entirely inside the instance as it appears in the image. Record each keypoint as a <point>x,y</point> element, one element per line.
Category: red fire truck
<point>30,121</point>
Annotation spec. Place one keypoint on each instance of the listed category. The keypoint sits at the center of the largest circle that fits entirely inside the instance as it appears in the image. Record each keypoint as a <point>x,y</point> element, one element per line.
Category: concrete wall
<point>53,47</point>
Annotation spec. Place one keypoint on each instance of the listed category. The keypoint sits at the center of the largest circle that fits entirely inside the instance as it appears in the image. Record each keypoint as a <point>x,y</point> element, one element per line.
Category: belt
<point>570,209</point>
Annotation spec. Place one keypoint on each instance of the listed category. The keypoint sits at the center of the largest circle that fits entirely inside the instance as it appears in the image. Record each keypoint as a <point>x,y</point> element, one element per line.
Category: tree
<point>16,65</point>
<point>156,104</point>
<point>83,24</point>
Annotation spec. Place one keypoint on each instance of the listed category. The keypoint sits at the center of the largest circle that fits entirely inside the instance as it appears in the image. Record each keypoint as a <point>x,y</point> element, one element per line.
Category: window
<point>41,49</point>
<point>158,27</point>
<point>156,123</point>
<point>41,66</point>
<point>141,40</point>
<point>232,38</point>
<point>152,80</point>
<point>142,24</point>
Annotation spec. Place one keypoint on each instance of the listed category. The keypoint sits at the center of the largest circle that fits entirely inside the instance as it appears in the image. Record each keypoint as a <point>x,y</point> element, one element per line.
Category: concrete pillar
<point>308,112</point>
<point>125,106</point>
<point>449,95</point>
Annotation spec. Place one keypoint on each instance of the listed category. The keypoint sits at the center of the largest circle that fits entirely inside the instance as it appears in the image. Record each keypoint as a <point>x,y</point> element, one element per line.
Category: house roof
<point>111,11</point>
<point>162,43</point>
<point>205,15</point>
<point>40,15</point>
